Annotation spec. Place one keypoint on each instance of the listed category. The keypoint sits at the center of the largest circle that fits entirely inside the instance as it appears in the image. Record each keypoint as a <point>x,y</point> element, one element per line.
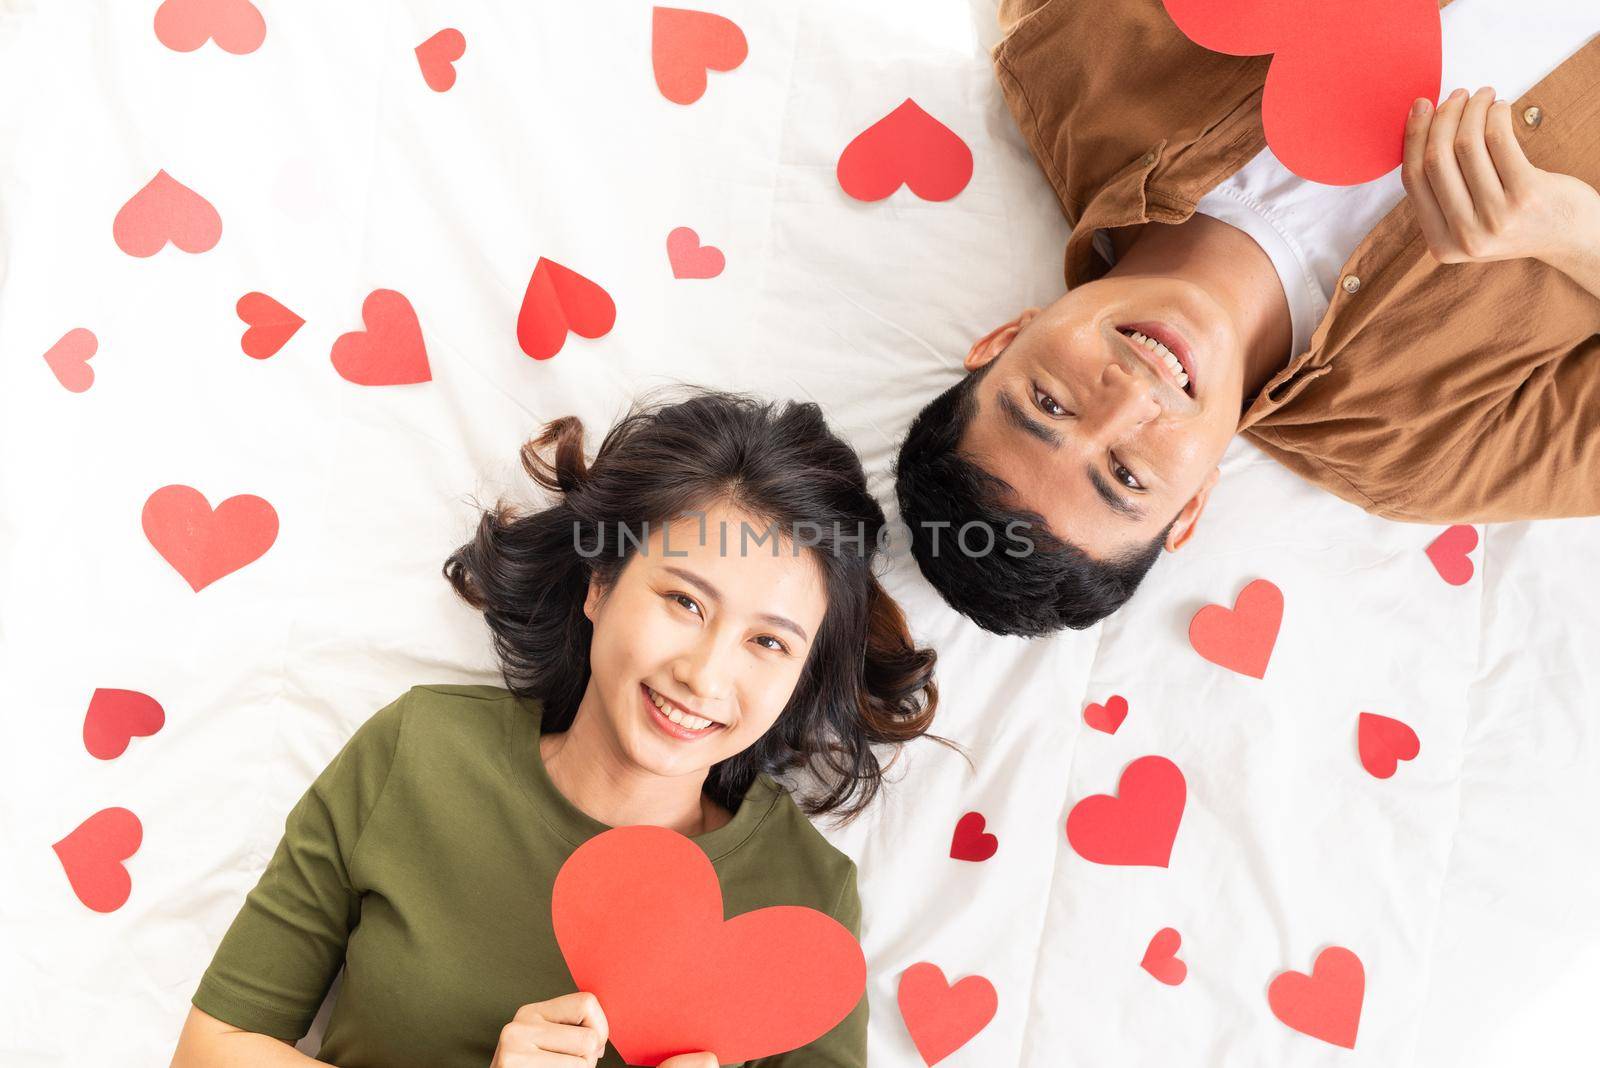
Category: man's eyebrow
<point>715,597</point>
<point>1111,497</point>
<point>1020,420</point>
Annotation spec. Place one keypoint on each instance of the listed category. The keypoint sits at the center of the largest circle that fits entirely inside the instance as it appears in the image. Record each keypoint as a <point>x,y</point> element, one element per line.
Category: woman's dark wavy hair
<point>864,683</point>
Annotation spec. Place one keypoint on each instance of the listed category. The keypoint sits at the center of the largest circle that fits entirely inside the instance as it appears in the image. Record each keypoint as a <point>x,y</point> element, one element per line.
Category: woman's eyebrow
<point>715,597</point>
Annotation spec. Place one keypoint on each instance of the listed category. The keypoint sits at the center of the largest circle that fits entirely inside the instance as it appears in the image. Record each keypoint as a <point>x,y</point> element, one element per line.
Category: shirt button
<point>1533,115</point>
<point>1149,158</point>
<point>1350,283</point>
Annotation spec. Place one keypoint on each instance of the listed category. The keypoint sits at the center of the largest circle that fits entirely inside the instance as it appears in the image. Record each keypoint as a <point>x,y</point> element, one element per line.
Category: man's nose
<point>1123,401</point>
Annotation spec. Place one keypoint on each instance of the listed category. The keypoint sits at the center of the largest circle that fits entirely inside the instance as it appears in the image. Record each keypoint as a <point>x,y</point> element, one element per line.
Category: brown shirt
<point>1431,392</point>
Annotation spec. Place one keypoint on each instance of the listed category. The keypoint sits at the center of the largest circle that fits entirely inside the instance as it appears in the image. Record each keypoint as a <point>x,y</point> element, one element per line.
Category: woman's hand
<point>564,1032</point>
<point>1478,197</point>
<point>690,1060</point>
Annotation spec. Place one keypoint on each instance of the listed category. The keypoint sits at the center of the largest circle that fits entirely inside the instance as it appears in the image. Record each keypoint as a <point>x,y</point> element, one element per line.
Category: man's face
<point>1075,401</point>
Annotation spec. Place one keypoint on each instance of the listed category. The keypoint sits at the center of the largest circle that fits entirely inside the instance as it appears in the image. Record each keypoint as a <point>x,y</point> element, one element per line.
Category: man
<point>1425,346</point>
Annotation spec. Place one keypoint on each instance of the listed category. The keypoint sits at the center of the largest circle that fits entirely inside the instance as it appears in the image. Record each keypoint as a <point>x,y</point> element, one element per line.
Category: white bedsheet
<point>1466,883</point>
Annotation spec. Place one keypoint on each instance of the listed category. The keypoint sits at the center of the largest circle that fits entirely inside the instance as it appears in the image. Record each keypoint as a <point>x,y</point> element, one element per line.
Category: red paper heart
<point>942,1017</point>
<point>271,325</point>
<point>204,545</point>
<point>437,57</point>
<point>390,351</point>
<point>1449,550</point>
<point>685,44</point>
<point>639,918</point>
<point>236,25</point>
<point>970,842</point>
<point>1325,1004</point>
<point>92,857</point>
<point>1109,716</point>
<point>1383,743</point>
<point>117,716</point>
<point>905,146</point>
<point>1342,77</point>
<point>559,301</point>
<point>68,359</point>
<point>1241,638</point>
<point>1161,957</point>
<point>691,259</point>
<point>166,210</point>
<point>1136,826</point>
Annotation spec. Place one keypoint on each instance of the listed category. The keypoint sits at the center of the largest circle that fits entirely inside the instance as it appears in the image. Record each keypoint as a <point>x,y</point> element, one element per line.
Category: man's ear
<point>1188,519</point>
<point>995,341</point>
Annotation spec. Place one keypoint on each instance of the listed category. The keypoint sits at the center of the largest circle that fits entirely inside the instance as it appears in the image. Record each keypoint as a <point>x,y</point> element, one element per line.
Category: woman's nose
<point>704,670</point>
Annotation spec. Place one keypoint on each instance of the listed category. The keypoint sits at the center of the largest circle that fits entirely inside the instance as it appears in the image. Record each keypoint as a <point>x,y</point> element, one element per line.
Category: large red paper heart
<point>92,857</point>
<point>1448,553</point>
<point>68,359</point>
<point>437,57</point>
<point>1161,957</point>
<point>203,545</point>
<point>271,325</point>
<point>942,1017</point>
<point>691,259</point>
<point>166,210</point>
<point>1136,826</point>
<point>1325,1004</point>
<point>559,301</point>
<point>906,146</point>
<point>115,717</point>
<point>390,351</point>
<point>1241,638</point>
<point>1109,716</point>
<point>1342,77</point>
<point>685,44</point>
<point>1383,743</point>
<point>236,25</point>
<point>638,916</point>
<point>970,842</point>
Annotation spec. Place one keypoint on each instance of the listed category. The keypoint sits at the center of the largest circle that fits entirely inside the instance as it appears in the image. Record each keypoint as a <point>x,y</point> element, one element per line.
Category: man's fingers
<point>1440,166</point>
<point>1472,153</point>
<point>1510,162</point>
<point>1429,218</point>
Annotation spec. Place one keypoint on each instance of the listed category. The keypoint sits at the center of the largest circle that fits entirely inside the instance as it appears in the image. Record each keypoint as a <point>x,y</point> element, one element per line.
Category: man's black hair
<point>1055,585</point>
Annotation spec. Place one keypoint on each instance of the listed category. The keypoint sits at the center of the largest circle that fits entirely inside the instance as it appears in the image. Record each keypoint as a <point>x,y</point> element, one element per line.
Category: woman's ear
<point>591,599</point>
<point>995,341</point>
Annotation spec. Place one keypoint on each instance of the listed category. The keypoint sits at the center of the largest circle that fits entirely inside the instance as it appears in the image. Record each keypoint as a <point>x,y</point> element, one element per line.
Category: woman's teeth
<point>682,719</point>
<point>1165,353</point>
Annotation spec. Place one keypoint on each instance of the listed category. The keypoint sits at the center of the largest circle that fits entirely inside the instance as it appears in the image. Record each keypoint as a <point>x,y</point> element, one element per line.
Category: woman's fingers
<point>1472,154</point>
<point>578,1008</point>
<point>1429,217</point>
<point>1442,170</point>
<point>1510,162</point>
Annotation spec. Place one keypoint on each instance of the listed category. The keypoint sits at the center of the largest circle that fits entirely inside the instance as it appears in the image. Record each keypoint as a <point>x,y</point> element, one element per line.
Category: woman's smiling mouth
<point>672,719</point>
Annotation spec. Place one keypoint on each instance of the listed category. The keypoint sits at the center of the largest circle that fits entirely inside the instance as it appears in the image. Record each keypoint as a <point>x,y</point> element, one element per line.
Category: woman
<point>696,612</point>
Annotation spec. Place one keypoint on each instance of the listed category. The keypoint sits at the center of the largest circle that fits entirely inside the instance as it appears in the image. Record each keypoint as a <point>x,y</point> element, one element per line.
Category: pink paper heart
<point>166,210</point>
<point>691,259</point>
<point>185,25</point>
<point>68,359</point>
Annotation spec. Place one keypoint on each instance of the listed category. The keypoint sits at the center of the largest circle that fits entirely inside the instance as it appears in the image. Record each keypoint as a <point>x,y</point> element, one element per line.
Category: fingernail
<point>1420,106</point>
<point>1458,93</point>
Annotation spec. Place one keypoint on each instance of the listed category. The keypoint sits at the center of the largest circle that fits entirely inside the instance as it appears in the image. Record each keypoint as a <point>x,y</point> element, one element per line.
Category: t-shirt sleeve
<point>846,1045</point>
<point>276,962</point>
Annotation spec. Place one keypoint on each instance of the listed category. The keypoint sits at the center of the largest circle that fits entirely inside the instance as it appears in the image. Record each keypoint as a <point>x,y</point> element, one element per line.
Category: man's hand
<point>1478,197</point>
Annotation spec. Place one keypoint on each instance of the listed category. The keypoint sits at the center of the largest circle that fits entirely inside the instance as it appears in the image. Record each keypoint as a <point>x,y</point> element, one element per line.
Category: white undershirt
<point>1308,229</point>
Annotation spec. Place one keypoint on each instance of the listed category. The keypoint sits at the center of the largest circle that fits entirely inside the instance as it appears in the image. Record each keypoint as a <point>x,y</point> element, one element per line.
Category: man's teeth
<point>1165,353</point>
<point>694,723</point>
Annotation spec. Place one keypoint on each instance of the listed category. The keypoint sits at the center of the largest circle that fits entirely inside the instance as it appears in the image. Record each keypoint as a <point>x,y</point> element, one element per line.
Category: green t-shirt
<point>422,859</point>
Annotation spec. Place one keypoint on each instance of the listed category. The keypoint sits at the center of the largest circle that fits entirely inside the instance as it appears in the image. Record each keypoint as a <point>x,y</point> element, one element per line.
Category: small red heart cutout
<point>910,147</point>
<point>437,57</point>
<point>115,717</point>
<point>970,842</point>
<point>691,259</point>
<point>1161,957</point>
<point>941,1016</point>
<point>204,545</point>
<point>559,301</point>
<point>1139,824</point>
<point>166,210</point>
<point>1448,553</point>
<point>68,359</point>
<point>638,914</point>
<point>1325,1004</point>
<point>390,351</point>
<point>1383,743</point>
<point>1241,638</point>
<point>271,325</point>
<point>1342,76</point>
<point>685,44</point>
<point>92,857</point>
<point>1107,717</point>
<point>236,25</point>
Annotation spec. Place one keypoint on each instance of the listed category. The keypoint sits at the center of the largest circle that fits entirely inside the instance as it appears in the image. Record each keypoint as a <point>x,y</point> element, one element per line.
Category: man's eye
<point>1047,403</point>
<point>1116,467</point>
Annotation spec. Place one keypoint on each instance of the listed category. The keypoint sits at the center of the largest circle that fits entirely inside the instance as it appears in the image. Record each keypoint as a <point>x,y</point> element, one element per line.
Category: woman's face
<point>715,627</point>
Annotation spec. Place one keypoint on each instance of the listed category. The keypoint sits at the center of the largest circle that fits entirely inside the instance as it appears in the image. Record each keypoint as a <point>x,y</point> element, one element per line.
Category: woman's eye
<point>686,601</point>
<point>776,646</point>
